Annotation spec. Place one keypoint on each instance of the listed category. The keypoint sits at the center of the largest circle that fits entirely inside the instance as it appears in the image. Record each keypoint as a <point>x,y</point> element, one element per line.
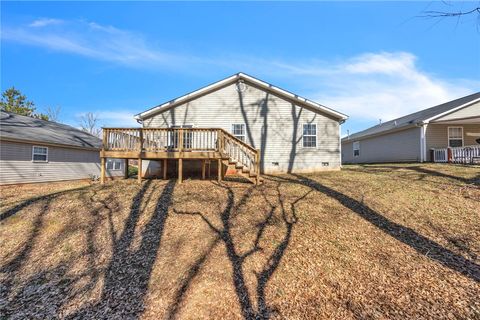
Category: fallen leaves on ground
<point>376,241</point>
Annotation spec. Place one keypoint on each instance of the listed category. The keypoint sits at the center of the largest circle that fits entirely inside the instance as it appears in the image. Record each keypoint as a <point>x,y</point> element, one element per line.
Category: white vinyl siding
<point>310,135</point>
<point>272,124</point>
<point>455,136</point>
<point>16,165</point>
<point>39,154</point>
<point>400,146</point>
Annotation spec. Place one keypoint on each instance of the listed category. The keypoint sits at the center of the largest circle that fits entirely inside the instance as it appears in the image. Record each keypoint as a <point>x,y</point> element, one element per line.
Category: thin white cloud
<point>91,40</point>
<point>43,22</point>
<point>376,86</point>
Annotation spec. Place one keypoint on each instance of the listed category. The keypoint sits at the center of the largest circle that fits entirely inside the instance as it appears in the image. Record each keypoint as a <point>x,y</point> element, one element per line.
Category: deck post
<point>125,172</point>
<point>204,164</point>
<point>257,157</point>
<point>141,139</point>
<point>180,140</point>
<point>102,171</point>
<point>219,164</point>
<point>180,169</point>
<point>164,169</point>
<point>139,176</point>
<point>220,140</point>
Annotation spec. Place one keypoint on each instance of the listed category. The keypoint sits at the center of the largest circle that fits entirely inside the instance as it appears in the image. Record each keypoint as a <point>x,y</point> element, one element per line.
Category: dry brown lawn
<point>377,241</point>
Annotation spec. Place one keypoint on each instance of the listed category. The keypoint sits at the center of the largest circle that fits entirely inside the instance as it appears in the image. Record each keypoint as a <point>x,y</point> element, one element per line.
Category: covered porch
<point>460,155</point>
<point>453,139</point>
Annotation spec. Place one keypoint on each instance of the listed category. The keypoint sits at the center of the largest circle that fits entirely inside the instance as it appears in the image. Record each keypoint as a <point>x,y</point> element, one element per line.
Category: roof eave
<point>399,128</point>
<point>426,121</point>
<point>232,79</point>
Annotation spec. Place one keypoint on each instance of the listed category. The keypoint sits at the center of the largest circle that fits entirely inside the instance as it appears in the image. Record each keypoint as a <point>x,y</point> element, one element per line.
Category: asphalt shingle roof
<point>19,127</point>
<point>414,118</point>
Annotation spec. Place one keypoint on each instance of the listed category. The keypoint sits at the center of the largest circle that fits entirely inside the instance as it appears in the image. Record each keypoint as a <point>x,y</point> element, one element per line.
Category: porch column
<point>204,163</point>
<point>102,170</point>
<point>180,169</point>
<point>139,176</point>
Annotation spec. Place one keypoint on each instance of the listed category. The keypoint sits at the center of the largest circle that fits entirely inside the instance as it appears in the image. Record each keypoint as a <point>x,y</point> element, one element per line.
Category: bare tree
<point>452,12</point>
<point>89,122</point>
<point>53,113</point>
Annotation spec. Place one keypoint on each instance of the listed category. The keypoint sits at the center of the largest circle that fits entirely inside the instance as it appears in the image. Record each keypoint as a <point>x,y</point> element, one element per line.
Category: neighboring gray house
<point>34,150</point>
<point>447,132</point>
<point>292,133</point>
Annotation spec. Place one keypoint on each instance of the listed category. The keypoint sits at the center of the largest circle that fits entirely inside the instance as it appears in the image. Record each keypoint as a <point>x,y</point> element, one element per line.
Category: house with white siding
<point>236,125</point>
<point>449,132</point>
<point>34,150</point>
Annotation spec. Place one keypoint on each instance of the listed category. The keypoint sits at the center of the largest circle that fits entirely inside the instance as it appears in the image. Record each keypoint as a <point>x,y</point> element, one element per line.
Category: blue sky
<point>373,60</point>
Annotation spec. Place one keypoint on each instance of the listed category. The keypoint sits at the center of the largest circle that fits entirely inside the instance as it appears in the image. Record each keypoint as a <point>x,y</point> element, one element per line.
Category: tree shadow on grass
<point>51,291</point>
<point>26,203</point>
<point>129,271</point>
<point>406,235</point>
<point>12,267</point>
<point>237,259</point>
<point>422,170</point>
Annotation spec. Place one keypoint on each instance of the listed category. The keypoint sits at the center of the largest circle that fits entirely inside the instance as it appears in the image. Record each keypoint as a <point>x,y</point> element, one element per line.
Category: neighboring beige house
<point>34,150</point>
<point>449,132</point>
<point>292,133</point>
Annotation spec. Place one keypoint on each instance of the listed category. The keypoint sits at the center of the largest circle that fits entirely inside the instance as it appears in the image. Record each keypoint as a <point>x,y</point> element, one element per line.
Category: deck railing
<point>182,140</point>
<point>461,155</point>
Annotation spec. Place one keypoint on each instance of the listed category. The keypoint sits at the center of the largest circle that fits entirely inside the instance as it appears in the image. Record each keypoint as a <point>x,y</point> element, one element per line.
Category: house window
<point>238,130</point>
<point>114,164</point>
<point>39,154</point>
<point>310,135</point>
<point>455,137</point>
<point>356,148</point>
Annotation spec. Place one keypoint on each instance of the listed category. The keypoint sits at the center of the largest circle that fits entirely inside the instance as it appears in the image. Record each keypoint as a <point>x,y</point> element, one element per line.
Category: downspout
<point>424,129</point>
<point>423,142</point>
<point>340,140</point>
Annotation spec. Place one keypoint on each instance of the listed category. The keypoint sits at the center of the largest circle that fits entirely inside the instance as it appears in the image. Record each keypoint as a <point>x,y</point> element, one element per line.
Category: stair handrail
<point>250,157</point>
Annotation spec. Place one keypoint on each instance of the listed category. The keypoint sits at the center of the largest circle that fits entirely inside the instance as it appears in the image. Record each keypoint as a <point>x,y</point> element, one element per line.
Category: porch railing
<point>182,140</point>
<point>462,155</point>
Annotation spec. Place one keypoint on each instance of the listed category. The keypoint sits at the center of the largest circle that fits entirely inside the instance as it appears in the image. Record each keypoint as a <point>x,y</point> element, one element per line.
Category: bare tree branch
<point>53,113</point>
<point>442,14</point>
<point>89,122</point>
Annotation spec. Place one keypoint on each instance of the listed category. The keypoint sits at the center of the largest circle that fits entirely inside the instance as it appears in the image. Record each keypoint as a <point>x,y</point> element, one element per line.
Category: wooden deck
<point>179,144</point>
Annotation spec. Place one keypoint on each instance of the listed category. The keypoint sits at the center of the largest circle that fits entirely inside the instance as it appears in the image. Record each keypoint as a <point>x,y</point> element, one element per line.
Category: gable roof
<point>247,79</point>
<point>28,129</point>
<point>417,118</point>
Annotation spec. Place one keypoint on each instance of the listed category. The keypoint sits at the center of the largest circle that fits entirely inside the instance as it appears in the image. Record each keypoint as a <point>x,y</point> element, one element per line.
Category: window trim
<point>113,161</point>
<point>239,135</point>
<point>356,143</point>
<point>309,135</point>
<point>33,154</point>
<point>448,136</point>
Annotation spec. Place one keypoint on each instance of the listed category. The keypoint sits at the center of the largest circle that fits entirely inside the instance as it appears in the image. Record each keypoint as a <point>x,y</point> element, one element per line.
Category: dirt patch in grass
<point>378,241</point>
